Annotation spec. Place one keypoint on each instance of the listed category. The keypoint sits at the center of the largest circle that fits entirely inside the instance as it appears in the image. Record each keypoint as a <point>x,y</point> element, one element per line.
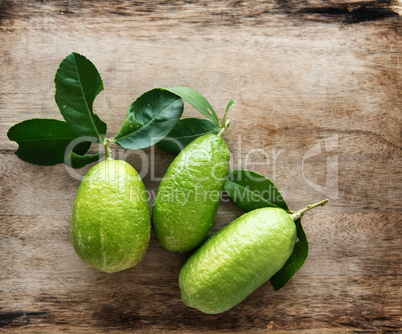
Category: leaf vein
<point>149,123</point>
<point>86,102</point>
<point>250,191</point>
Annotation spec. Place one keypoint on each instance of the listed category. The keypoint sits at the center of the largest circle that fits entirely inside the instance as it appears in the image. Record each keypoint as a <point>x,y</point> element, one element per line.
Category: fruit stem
<point>224,127</point>
<point>107,149</point>
<point>298,214</point>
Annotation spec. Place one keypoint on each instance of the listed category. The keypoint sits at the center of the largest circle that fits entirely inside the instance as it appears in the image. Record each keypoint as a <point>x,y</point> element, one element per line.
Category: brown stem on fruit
<point>224,127</point>
<point>298,214</point>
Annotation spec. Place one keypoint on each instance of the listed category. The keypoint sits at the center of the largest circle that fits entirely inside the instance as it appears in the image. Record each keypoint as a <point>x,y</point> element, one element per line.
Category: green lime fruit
<point>111,227</point>
<point>238,259</point>
<point>188,197</point>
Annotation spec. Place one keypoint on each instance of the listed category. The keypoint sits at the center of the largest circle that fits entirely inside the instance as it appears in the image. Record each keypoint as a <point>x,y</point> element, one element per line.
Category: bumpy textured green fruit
<point>237,260</point>
<point>111,226</point>
<point>188,196</point>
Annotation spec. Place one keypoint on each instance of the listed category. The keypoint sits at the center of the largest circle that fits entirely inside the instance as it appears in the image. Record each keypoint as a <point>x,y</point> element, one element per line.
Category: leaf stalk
<point>224,127</point>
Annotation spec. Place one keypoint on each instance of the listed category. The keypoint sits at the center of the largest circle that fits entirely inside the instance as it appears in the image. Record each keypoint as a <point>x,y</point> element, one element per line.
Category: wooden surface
<point>300,71</point>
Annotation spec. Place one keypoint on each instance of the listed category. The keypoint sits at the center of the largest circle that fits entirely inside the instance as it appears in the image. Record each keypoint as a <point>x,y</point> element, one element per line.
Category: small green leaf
<point>149,119</point>
<point>230,105</point>
<point>184,132</point>
<point>82,147</point>
<point>198,101</point>
<point>295,262</point>
<point>44,141</point>
<point>250,191</point>
<point>77,84</point>
<point>75,160</point>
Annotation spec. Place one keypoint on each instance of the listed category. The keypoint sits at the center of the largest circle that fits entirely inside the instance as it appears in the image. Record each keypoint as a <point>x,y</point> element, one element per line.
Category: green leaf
<point>149,119</point>
<point>250,191</point>
<point>82,147</point>
<point>198,101</point>
<point>75,160</point>
<point>77,84</point>
<point>230,105</point>
<point>295,262</point>
<point>45,141</point>
<point>184,132</point>
<point>130,125</point>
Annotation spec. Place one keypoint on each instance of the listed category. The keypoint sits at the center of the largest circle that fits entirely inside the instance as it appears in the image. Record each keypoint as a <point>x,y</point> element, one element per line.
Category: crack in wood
<point>351,14</point>
<point>17,318</point>
<point>233,12</point>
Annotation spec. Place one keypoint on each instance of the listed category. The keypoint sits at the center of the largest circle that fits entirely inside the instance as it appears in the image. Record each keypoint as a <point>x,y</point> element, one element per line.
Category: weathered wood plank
<point>341,285</point>
<point>347,282</point>
<point>300,71</point>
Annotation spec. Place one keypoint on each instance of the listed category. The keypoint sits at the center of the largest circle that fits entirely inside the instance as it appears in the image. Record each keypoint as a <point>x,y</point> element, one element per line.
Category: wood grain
<point>300,71</point>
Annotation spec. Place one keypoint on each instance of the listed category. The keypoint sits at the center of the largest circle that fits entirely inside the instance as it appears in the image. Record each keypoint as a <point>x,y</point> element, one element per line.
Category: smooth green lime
<point>111,226</point>
<point>188,197</point>
<point>237,260</point>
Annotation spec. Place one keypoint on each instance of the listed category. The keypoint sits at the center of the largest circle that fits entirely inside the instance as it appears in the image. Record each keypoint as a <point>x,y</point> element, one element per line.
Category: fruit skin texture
<point>111,226</point>
<point>237,260</point>
<point>188,197</point>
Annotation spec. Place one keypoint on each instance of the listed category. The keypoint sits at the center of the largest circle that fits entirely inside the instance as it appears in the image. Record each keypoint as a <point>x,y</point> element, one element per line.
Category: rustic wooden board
<point>300,71</point>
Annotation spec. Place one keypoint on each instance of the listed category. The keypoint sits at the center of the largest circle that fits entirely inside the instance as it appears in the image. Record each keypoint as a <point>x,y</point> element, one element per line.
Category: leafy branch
<point>151,119</point>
